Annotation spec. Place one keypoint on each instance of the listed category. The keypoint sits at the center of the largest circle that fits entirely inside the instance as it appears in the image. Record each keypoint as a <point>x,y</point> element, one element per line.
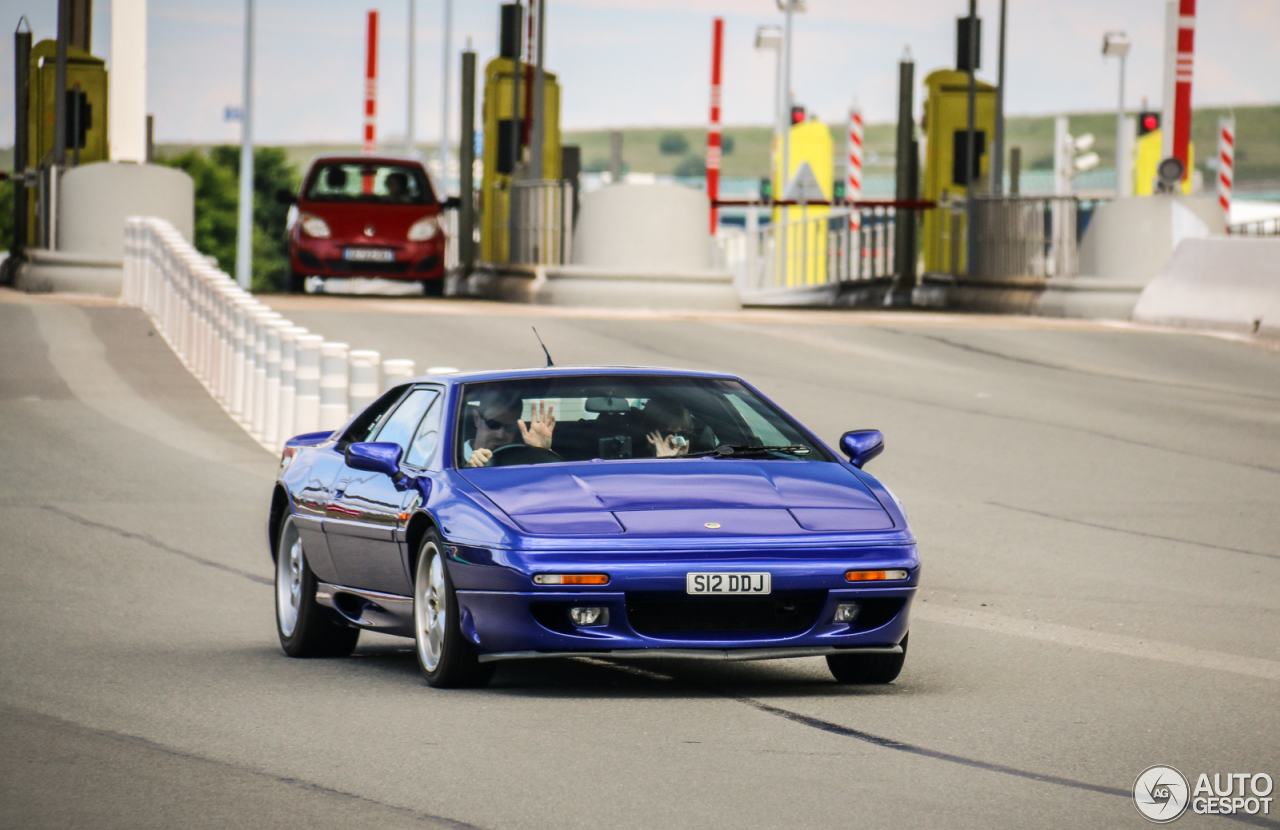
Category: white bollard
<point>396,372</point>
<point>365,378</point>
<point>288,382</point>
<point>306,407</point>
<point>259,412</point>
<point>239,337</point>
<point>271,423</point>
<point>334,403</point>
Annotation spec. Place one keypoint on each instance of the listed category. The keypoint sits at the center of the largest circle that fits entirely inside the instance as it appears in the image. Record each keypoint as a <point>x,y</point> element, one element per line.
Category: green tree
<point>217,182</point>
<point>673,144</point>
<point>691,166</point>
<point>726,144</point>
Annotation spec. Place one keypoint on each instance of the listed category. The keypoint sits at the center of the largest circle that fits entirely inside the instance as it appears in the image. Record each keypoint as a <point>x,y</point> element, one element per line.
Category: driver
<point>668,426</point>
<point>497,419</point>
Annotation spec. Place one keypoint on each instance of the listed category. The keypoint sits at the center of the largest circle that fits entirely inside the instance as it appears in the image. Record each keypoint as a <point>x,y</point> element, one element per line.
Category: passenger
<point>668,427</point>
<point>335,179</point>
<point>497,420</point>
<point>398,187</point>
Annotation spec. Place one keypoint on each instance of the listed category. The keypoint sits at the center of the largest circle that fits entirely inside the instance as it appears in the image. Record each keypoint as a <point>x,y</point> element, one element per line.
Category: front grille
<point>785,612</point>
<point>343,266</point>
<point>428,264</point>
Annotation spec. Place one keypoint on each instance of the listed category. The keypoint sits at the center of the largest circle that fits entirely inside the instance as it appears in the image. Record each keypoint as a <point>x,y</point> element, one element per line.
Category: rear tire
<point>297,283</point>
<point>305,629</point>
<point>867,669</point>
<point>433,288</point>
<point>445,657</point>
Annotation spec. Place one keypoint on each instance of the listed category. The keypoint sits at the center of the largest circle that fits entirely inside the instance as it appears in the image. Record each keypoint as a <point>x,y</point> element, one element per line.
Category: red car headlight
<point>314,226</point>
<point>424,229</point>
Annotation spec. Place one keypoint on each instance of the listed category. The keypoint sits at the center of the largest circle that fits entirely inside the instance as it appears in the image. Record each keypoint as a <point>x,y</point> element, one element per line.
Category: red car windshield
<point>369,182</point>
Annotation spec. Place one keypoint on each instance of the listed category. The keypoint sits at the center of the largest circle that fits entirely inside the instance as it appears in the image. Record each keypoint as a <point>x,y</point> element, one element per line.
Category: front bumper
<point>324,258</point>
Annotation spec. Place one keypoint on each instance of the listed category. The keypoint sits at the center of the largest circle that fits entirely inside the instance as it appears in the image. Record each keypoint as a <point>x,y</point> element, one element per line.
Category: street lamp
<point>1116,45</point>
<point>788,6</point>
<point>770,37</point>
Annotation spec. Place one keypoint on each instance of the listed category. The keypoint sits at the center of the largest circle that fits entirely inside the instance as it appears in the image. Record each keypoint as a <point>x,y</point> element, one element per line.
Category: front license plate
<point>369,255</point>
<point>712,583</point>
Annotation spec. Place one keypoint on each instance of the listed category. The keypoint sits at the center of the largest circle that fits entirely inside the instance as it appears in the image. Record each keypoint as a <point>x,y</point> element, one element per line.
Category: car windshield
<point>369,182</point>
<point>549,420</point>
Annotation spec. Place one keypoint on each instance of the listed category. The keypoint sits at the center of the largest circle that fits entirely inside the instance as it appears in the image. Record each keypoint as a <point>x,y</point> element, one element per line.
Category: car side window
<point>367,422</point>
<point>403,423</point>
<point>424,451</point>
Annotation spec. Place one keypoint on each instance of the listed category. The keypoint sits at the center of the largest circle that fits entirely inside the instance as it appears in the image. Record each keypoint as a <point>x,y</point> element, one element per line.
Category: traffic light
<point>766,189</point>
<point>1148,122</point>
<point>838,191</point>
<point>797,115</point>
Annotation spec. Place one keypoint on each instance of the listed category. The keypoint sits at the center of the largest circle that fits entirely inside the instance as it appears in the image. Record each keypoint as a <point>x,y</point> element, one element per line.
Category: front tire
<point>433,288</point>
<point>297,283</point>
<point>446,659</point>
<point>305,629</point>
<point>867,669</point>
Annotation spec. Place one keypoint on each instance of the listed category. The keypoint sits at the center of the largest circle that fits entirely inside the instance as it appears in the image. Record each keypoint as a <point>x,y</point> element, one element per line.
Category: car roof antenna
<point>544,347</point>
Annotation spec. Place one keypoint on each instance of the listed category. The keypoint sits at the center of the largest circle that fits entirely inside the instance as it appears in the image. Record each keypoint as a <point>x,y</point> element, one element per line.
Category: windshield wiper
<point>732,450</point>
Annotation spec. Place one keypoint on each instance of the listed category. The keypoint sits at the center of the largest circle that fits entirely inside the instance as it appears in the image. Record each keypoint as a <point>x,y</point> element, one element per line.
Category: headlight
<point>424,229</point>
<point>314,226</point>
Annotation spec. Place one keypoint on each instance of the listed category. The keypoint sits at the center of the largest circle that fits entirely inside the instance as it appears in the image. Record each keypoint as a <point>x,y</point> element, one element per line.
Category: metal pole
<point>537,140</point>
<point>21,132</point>
<point>371,84</point>
<point>244,224</point>
<point>970,150</point>
<point>786,97</point>
<point>904,254</point>
<point>997,144</point>
<point>466,163</point>
<point>713,130</point>
<point>444,95</point>
<point>60,90</point>
<point>1186,39</point>
<point>1124,184</point>
<point>778,118</point>
<point>410,122</point>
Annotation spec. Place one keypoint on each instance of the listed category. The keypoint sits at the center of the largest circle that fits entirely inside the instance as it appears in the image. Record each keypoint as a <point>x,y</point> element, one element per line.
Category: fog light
<point>874,576</point>
<point>847,612</point>
<point>589,616</point>
<point>570,579</point>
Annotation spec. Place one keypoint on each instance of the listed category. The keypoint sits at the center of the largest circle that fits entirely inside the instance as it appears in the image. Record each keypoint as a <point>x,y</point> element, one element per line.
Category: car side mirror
<point>862,445</point>
<point>286,197</point>
<point>376,457</point>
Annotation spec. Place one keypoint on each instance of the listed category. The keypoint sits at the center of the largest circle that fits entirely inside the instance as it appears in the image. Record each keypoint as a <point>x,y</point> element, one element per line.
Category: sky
<point>626,63</point>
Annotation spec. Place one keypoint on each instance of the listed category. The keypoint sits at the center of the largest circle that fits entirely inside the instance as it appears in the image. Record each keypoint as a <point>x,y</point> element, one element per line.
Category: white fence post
<point>271,421</point>
<point>396,372</point>
<point>365,381</point>
<point>288,382</point>
<point>306,410</point>
<point>334,385</point>
<point>258,415</point>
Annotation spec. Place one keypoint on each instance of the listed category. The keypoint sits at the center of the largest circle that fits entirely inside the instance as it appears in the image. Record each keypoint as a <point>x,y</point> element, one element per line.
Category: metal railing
<point>842,245</point>
<point>1013,236</point>
<point>541,222</point>
<point>1258,227</point>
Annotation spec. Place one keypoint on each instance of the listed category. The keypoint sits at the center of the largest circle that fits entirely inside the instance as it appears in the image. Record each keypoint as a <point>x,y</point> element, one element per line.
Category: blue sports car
<point>615,512</point>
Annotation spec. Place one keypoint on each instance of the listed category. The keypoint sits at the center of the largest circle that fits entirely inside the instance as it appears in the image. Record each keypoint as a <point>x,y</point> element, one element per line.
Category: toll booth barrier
<point>802,246</point>
<point>503,129</point>
<point>946,121</point>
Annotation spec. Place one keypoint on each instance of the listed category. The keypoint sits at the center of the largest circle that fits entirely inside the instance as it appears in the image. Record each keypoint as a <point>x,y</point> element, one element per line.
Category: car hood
<point>693,497</point>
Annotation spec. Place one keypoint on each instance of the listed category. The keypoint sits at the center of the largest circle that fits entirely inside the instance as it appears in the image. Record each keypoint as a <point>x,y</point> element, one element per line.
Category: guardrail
<point>842,245</point>
<point>1258,227</point>
<point>541,222</point>
<point>275,379</point>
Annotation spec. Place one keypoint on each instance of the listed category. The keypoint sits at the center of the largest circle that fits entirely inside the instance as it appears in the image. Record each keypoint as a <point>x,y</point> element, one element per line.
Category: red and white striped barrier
<point>263,370</point>
<point>1226,163</point>
<point>713,130</point>
<point>1183,72</point>
<point>853,166</point>
<point>371,84</point>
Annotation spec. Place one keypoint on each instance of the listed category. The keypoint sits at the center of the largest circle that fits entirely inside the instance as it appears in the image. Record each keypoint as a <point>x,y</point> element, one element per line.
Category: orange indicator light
<point>571,579</point>
<point>874,576</point>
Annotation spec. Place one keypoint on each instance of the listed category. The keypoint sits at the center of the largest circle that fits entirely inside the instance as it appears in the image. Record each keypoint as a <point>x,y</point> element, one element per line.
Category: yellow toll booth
<point>1147,159</point>
<point>946,122</point>
<point>86,75</point>
<point>802,245</point>
<point>495,184</point>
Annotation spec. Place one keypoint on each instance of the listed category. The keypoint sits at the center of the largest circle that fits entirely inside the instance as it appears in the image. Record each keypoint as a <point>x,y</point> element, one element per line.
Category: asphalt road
<point>1096,506</point>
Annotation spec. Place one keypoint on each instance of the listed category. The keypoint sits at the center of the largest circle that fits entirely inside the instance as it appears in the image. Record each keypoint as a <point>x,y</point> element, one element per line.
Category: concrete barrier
<point>334,384</point>
<point>395,372</point>
<point>365,382</point>
<point>1222,282</point>
<point>307,378</point>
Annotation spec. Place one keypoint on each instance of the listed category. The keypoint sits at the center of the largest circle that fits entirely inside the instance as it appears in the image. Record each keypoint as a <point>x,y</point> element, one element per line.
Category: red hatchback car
<point>366,216</point>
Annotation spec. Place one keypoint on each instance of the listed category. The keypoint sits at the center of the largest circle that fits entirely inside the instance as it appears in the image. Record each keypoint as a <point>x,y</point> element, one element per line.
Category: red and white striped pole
<point>853,164</point>
<point>1226,162</point>
<point>371,85</point>
<point>1182,81</point>
<point>713,132</point>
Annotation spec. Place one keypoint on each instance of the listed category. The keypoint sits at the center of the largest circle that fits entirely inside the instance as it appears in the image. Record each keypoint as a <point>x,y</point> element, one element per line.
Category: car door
<point>365,512</point>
